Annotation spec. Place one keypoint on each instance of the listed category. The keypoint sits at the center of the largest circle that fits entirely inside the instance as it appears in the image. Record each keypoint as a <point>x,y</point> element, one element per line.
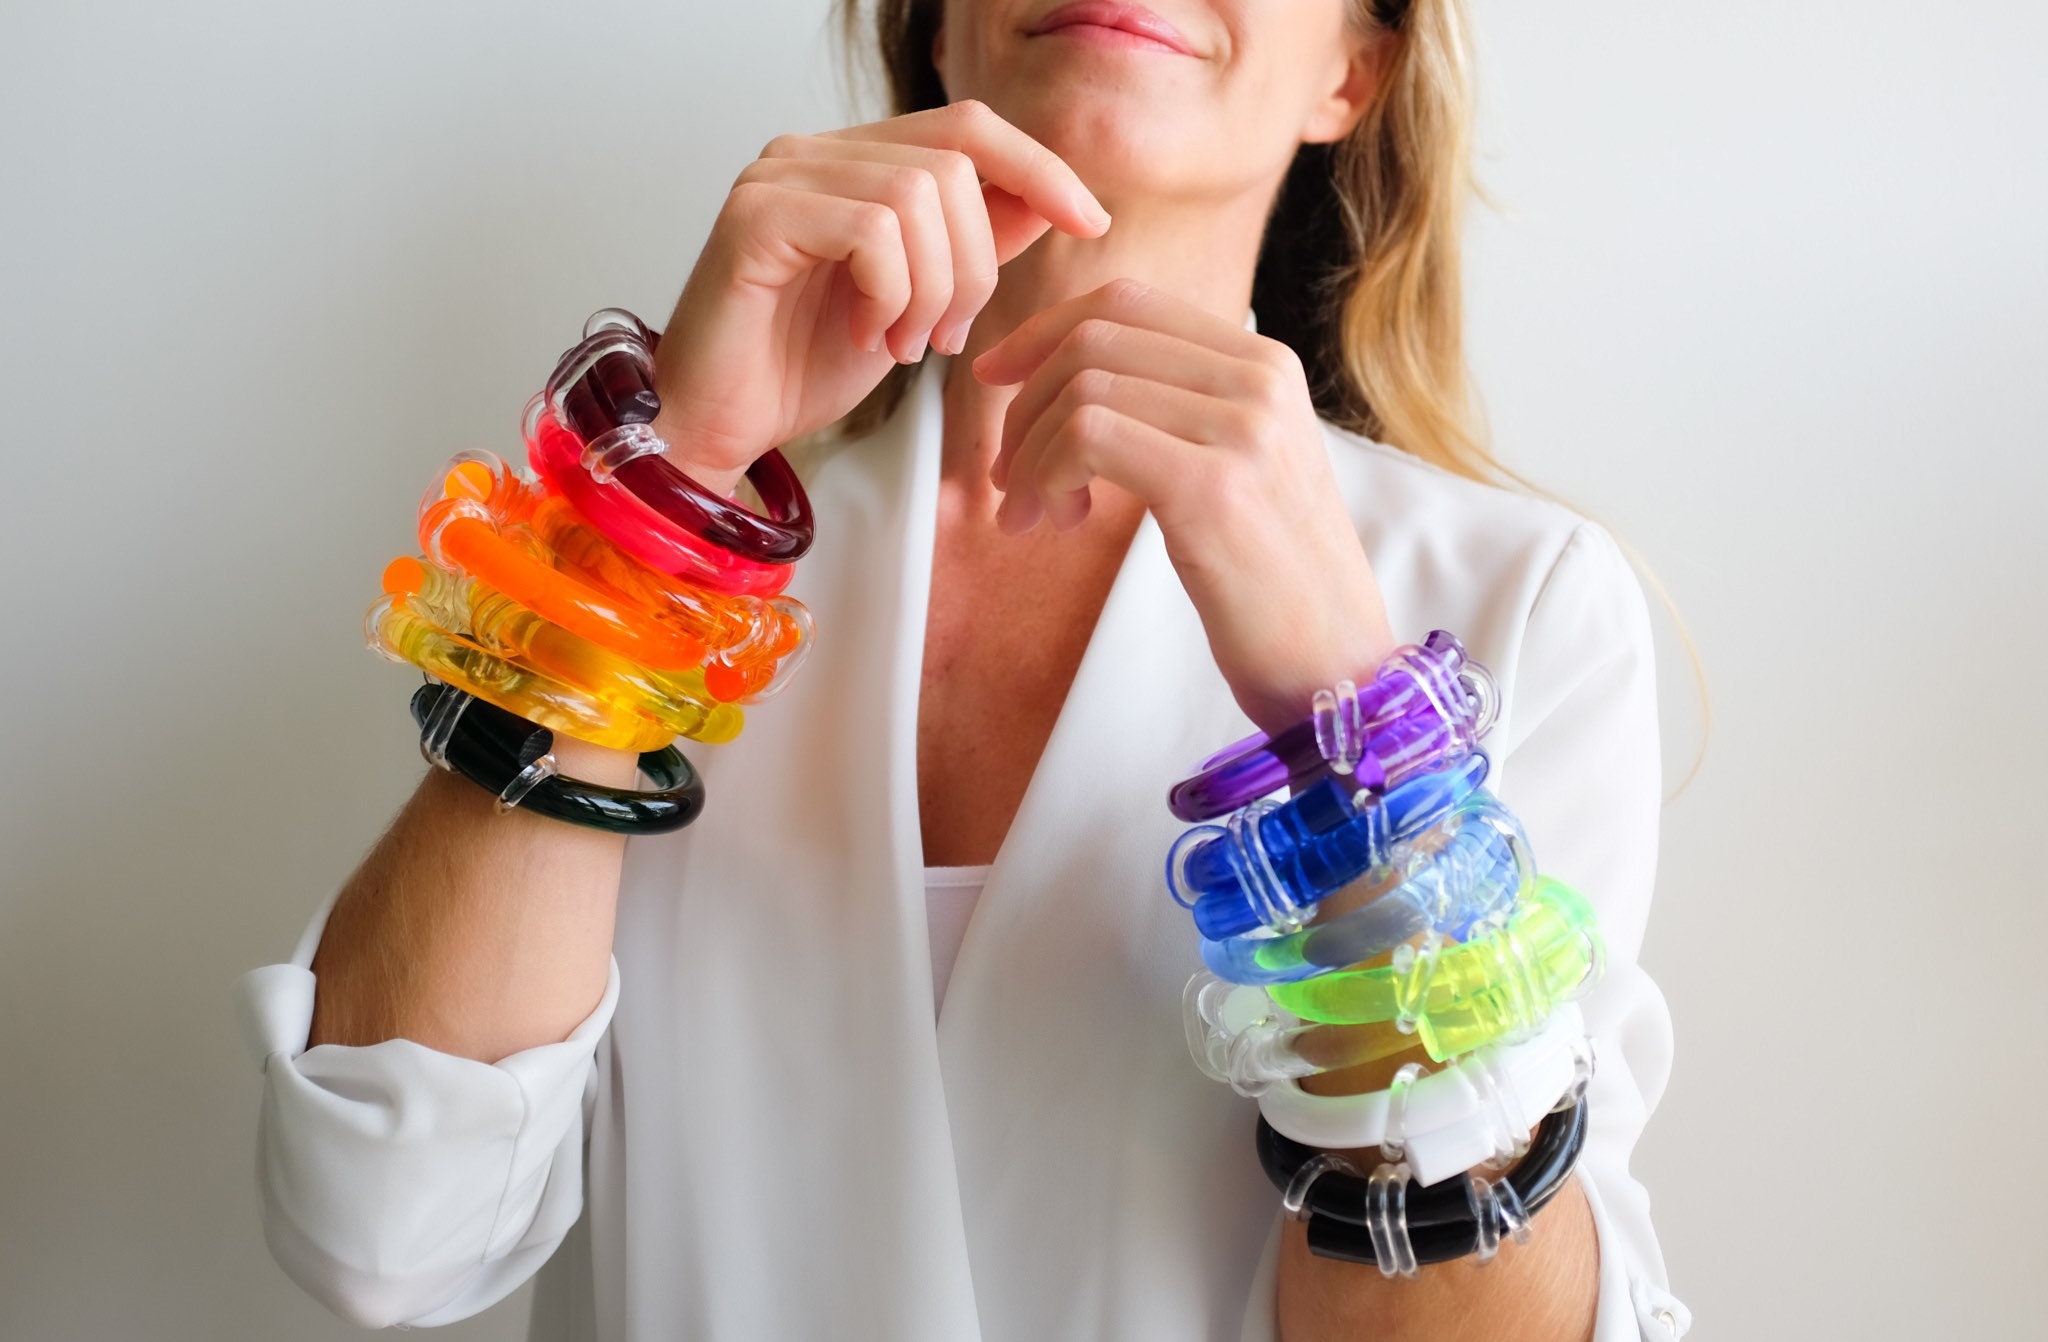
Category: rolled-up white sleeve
<point>401,1185</point>
<point>1581,766</point>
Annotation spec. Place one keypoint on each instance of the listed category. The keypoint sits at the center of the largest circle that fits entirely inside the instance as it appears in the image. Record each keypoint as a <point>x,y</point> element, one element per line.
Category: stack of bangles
<point>608,596</point>
<point>1387,912</point>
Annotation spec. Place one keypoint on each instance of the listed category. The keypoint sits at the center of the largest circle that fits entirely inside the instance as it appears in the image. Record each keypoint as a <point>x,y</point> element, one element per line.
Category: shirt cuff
<point>1634,1306</point>
<point>401,1184</point>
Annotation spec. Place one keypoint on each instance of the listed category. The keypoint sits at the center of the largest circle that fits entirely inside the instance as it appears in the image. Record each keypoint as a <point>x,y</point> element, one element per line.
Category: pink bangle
<point>556,456</point>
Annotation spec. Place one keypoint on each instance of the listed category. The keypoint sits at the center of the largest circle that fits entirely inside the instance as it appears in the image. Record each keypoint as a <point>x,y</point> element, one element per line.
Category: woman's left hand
<point>1212,426</point>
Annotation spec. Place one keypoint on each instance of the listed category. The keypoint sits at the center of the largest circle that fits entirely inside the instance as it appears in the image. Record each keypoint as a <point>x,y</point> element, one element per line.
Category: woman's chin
<point>1089,125</point>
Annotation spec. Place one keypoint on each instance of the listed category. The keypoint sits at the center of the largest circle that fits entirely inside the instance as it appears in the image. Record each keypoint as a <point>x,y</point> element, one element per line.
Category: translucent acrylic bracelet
<point>393,630</point>
<point>503,754</point>
<point>1271,863</point>
<point>753,645</point>
<point>1482,866</point>
<point>1474,1110</point>
<point>602,390</point>
<point>1426,708</point>
<point>556,455</point>
<point>1383,1220</point>
<point>1546,950</point>
<point>1237,1033</point>
<point>471,522</point>
<point>678,700</point>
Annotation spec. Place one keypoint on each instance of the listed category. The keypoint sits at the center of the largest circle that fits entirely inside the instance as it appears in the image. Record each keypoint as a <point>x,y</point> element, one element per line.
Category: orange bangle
<point>752,644</point>
<point>472,522</point>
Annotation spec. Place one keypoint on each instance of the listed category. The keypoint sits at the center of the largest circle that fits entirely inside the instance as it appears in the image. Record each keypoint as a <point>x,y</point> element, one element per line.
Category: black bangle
<point>505,754</point>
<point>1442,1221</point>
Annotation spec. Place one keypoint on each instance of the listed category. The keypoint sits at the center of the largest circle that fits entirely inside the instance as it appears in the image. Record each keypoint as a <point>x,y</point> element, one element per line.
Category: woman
<point>1082,522</point>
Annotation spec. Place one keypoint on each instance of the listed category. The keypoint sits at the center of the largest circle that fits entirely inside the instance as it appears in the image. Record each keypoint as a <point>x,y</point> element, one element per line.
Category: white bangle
<point>1476,1109</point>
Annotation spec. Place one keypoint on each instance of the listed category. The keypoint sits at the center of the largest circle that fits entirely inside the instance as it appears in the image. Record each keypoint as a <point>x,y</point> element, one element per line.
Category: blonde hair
<point>1360,268</point>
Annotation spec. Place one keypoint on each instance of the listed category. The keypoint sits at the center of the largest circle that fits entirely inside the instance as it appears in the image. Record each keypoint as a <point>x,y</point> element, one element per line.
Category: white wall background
<point>1768,296</point>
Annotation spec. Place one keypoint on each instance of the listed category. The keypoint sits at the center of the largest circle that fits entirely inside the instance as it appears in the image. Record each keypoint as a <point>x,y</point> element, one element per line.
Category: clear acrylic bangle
<point>1294,1197</point>
<point>526,780</point>
<point>439,727</point>
<point>1461,1116</point>
<point>1496,1210</point>
<point>1386,1221</point>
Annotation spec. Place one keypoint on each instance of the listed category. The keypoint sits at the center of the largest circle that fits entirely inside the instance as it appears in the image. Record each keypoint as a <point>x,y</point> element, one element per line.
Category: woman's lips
<point>1108,23</point>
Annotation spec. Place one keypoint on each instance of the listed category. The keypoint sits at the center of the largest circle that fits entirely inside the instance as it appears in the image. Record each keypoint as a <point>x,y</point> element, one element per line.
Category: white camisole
<point>949,896</point>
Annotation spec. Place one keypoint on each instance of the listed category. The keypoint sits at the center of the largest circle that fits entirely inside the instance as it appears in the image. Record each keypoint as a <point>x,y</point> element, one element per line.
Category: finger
<point>1003,155</point>
<point>913,194</point>
<point>1096,349</point>
<point>1013,224</point>
<point>1126,302</point>
<point>963,201</point>
<point>1187,414</point>
<point>787,230</point>
<point>1097,440</point>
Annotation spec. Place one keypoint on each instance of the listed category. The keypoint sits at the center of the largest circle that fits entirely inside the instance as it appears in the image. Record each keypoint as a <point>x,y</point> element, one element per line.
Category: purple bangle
<point>1426,708</point>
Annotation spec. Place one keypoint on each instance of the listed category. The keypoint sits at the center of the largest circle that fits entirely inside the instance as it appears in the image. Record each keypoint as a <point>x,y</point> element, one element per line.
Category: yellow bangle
<point>678,700</point>
<point>401,634</point>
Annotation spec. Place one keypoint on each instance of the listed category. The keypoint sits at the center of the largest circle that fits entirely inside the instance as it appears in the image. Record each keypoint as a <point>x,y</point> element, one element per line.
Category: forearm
<point>471,932</point>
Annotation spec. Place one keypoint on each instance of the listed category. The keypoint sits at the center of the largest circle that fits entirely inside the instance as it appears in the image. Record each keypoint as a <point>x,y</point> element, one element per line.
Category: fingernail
<point>1100,217</point>
<point>1018,514</point>
<point>953,339</point>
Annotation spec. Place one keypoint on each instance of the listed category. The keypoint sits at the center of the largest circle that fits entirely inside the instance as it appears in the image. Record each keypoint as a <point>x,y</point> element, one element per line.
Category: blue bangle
<point>1481,871</point>
<point>1271,863</point>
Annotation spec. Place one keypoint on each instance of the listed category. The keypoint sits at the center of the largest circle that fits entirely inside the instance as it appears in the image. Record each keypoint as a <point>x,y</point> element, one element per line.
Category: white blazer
<point>759,1134</point>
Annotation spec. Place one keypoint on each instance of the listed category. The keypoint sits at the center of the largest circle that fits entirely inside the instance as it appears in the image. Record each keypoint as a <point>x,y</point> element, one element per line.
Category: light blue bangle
<point>1271,863</point>
<point>1481,871</point>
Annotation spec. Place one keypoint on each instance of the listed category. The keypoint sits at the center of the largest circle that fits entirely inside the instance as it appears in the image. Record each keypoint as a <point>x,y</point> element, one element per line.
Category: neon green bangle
<point>1447,999</point>
<point>1547,951</point>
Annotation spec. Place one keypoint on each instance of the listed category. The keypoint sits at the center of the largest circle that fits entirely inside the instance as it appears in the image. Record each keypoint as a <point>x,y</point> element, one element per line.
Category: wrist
<point>705,462</point>
<point>595,763</point>
<point>1353,654</point>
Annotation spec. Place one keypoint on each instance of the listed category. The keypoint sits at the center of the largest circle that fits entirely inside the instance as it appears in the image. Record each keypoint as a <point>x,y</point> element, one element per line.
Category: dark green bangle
<point>506,755</point>
<point>1404,1227</point>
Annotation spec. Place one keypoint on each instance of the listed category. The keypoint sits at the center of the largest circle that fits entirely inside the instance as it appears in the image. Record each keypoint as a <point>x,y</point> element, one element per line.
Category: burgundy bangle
<point>602,391</point>
<point>617,514</point>
<point>1426,708</point>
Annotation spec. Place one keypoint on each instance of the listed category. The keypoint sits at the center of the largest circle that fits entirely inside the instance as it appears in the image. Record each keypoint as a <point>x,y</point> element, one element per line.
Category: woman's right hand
<point>836,256</point>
